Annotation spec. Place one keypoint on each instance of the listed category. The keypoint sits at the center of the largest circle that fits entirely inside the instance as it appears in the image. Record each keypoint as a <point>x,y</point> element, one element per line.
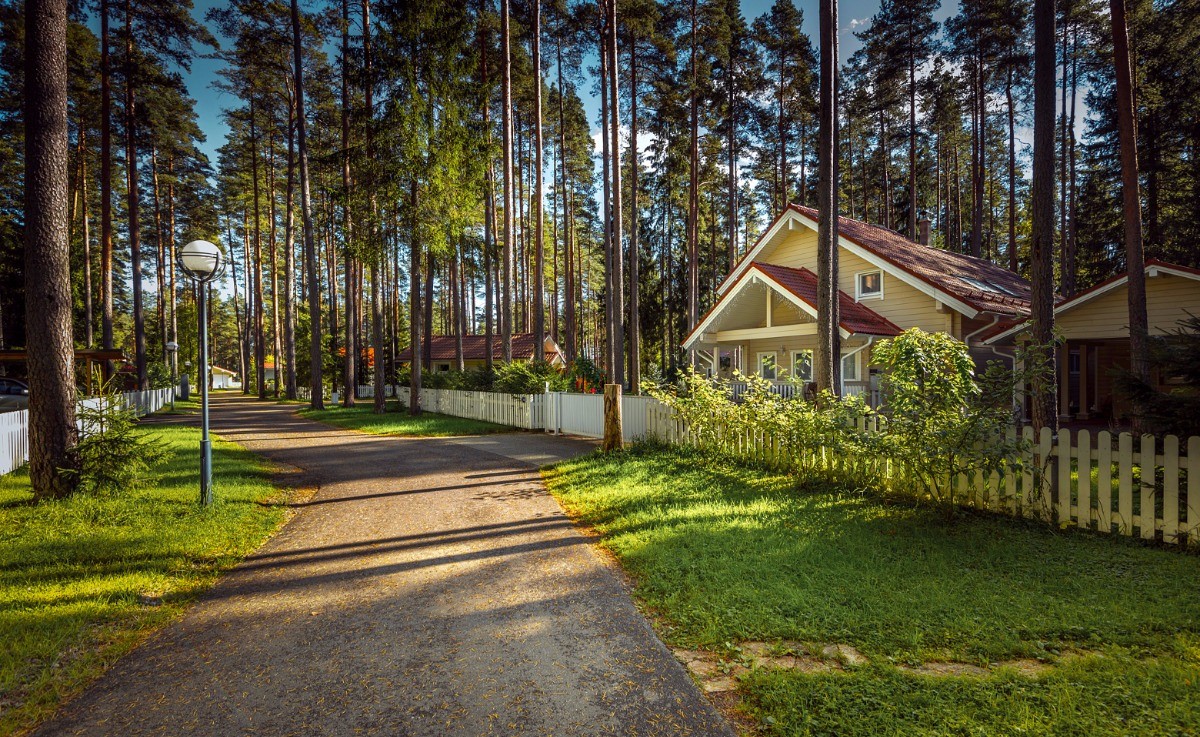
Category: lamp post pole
<point>202,261</point>
<point>206,497</point>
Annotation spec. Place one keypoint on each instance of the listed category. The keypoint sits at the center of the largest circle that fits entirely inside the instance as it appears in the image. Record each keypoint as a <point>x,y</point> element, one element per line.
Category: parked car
<point>14,395</point>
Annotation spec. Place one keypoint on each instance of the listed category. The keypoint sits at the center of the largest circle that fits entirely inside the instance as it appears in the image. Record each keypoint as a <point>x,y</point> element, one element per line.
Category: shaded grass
<point>723,554</point>
<point>83,580</point>
<point>397,421</point>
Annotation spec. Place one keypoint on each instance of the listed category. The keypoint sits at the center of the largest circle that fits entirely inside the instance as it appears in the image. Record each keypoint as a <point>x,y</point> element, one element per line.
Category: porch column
<point>1064,381</point>
<point>1084,391</point>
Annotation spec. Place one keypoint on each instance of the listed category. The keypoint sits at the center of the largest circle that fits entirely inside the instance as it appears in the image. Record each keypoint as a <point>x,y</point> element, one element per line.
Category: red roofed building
<point>443,351</point>
<point>765,319</point>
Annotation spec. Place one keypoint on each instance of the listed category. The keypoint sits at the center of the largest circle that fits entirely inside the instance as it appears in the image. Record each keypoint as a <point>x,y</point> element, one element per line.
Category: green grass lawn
<point>83,580</point>
<point>397,421</point>
<point>723,555</point>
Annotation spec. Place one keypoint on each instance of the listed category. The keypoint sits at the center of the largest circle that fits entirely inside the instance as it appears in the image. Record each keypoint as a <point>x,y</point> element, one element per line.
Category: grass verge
<point>397,421</point>
<point>84,580</point>
<point>723,555</point>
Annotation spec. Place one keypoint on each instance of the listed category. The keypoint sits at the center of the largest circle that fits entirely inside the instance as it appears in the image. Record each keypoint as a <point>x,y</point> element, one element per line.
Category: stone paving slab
<point>430,587</point>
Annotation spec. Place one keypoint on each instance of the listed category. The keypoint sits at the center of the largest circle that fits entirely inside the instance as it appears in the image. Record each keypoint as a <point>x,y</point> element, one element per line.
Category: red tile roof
<point>855,317</point>
<point>943,270</point>
<point>443,348</point>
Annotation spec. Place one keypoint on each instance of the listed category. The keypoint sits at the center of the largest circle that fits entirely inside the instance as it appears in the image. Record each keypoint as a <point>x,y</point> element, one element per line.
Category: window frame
<point>811,354</point>
<point>857,368</point>
<point>774,364</point>
<point>859,295</point>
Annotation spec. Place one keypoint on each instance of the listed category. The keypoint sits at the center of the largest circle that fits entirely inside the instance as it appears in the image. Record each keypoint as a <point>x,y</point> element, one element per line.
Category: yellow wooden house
<point>764,321</point>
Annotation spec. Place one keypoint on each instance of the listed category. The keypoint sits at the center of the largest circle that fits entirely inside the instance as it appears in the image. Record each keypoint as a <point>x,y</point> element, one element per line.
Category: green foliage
<point>529,377</point>
<point>941,422</point>
<point>585,377</point>
<point>115,454</point>
<point>1177,358</point>
<point>160,376</point>
<point>817,435</point>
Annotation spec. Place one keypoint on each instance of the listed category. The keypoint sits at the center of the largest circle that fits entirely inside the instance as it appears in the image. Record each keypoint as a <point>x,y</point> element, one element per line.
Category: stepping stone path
<point>719,674</point>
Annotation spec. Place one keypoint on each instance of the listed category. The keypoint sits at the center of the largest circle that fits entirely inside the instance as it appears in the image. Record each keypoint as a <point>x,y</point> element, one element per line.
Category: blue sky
<point>209,102</point>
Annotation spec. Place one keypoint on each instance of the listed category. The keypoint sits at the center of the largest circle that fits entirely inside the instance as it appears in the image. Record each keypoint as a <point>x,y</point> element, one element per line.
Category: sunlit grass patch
<point>85,579</point>
<point>397,421</point>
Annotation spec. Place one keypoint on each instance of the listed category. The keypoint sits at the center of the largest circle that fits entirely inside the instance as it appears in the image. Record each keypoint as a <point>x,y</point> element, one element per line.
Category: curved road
<point>430,587</point>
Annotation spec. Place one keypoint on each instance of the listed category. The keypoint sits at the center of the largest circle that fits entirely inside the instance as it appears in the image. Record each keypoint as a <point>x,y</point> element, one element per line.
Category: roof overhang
<point>750,276</point>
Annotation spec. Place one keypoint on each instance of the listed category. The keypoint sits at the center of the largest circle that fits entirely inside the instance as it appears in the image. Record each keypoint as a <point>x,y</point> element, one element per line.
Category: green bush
<point>114,453</point>
<point>942,421</point>
<point>520,377</point>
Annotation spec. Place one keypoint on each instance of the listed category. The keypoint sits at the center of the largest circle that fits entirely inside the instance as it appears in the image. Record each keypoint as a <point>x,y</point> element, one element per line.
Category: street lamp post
<point>202,261</point>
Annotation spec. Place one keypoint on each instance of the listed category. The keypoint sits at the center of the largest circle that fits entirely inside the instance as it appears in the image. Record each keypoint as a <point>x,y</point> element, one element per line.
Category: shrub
<point>521,377</point>
<point>114,453</point>
<point>941,420</point>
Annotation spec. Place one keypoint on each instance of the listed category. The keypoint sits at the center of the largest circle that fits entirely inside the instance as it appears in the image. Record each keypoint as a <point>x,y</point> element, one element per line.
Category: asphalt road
<point>430,587</point>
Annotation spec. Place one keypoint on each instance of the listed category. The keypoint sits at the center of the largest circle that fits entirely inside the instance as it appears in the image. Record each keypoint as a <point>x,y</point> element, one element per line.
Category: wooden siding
<point>1169,299</point>
<point>904,305</point>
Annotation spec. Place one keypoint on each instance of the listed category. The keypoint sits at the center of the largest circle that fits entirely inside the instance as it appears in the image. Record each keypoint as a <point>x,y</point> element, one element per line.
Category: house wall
<point>904,305</point>
<point>1169,299</point>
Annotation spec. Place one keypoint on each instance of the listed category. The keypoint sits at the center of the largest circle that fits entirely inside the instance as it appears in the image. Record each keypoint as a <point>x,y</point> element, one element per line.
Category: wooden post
<point>1064,382</point>
<point>612,418</point>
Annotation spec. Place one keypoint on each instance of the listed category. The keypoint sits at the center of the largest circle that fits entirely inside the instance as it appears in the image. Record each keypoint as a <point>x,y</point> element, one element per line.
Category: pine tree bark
<point>827,354</point>
<point>53,458</point>
<point>506,268</point>
<point>618,251</point>
<point>350,361</point>
<point>310,248</point>
<point>289,258</point>
<point>693,216</point>
<point>539,255</point>
<point>106,240</point>
<point>133,197</point>
<point>1041,252</point>
<point>635,318</point>
<point>1139,349</point>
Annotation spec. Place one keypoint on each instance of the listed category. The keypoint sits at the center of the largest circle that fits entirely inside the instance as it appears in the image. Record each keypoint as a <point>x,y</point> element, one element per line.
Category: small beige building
<point>443,351</point>
<point>765,319</point>
<point>1094,325</point>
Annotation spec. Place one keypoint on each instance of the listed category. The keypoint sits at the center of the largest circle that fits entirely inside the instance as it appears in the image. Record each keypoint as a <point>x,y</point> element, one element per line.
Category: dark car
<point>14,395</point>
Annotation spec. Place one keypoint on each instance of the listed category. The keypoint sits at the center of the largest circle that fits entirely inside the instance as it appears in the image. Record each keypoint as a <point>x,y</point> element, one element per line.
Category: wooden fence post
<point>612,417</point>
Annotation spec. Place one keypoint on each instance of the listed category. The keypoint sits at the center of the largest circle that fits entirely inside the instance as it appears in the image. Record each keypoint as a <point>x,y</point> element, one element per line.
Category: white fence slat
<point>1104,481</point>
<point>1193,488</point>
<point>1083,463</point>
<point>1063,454</point>
<point>1125,483</point>
<point>1170,523</point>
<point>1149,467</point>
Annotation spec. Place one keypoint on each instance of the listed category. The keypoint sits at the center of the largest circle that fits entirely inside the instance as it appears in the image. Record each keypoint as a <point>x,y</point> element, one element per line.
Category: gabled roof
<point>942,274</point>
<point>443,348</point>
<point>1153,266</point>
<point>800,287</point>
<point>854,316</point>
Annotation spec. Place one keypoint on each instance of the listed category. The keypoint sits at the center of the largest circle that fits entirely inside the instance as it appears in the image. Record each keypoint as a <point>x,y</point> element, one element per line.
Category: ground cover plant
<point>84,579</point>
<point>397,421</point>
<point>723,554</point>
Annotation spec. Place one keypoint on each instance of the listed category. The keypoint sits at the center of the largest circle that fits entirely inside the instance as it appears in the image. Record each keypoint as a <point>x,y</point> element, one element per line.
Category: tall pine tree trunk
<point>289,256</point>
<point>1139,358</point>
<point>310,247</point>
<point>539,256</point>
<point>506,268</point>
<point>350,304</point>
<point>826,356</point>
<point>618,251</point>
<point>635,318</point>
<point>53,459</point>
<point>106,236</point>
<point>1041,251</point>
<point>133,196</point>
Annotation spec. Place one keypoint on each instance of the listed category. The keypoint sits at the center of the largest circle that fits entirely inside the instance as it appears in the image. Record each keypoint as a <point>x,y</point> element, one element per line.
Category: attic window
<point>987,286</point>
<point>869,285</point>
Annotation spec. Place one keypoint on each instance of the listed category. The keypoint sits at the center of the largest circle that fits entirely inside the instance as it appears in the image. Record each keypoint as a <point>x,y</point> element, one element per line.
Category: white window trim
<point>811,355</point>
<point>758,364</point>
<point>857,366</point>
<point>858,295</point>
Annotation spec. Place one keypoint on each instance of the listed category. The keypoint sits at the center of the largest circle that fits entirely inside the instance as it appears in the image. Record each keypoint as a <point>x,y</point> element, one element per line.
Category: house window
<point>802,365</point>
<point>869,285</point>
<point>443,367</point>
<point>766,365</point>
<point>850,367</point>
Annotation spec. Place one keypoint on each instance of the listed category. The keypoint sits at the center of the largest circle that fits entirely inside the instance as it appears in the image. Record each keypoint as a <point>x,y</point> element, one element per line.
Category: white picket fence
<point>14,426</point>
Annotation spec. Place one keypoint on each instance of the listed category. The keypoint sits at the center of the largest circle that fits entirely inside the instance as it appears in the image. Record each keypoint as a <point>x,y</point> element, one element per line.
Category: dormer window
<point>869,285</point>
